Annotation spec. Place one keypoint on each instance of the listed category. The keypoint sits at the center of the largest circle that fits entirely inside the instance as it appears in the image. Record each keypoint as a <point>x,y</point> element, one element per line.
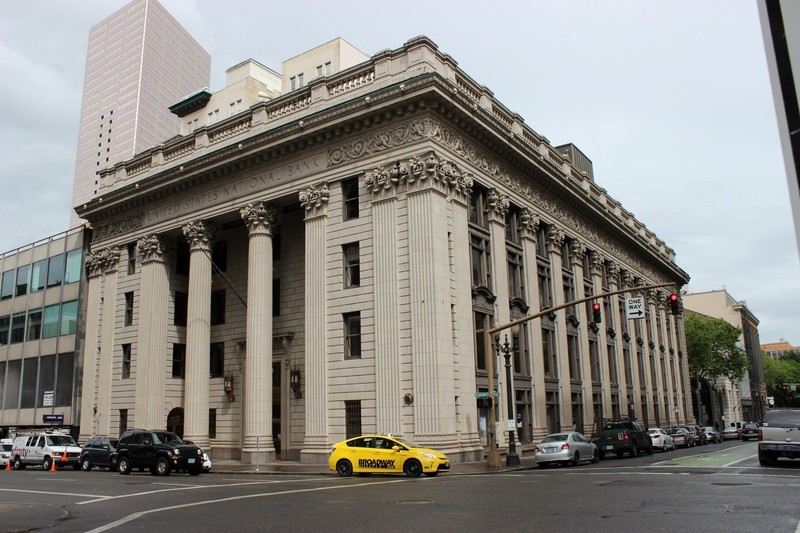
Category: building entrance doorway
<point>175,421</point>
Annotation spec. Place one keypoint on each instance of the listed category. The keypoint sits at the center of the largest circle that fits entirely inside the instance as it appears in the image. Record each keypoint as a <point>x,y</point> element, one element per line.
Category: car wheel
<point>602,454</point>
<point>344,468</point>
<point>112,464</point>
<point>124,466</point>
<point>163,467</point>
<point>86,464</point>
<point>595,456</point>
<point>542,465</point>
<point>634,451</point>
<point>47,463</point>
<point>412,468</point>
<point>18,464</point>
<point>576,459</point>
<point>649,450</point>
<point>195,471</point>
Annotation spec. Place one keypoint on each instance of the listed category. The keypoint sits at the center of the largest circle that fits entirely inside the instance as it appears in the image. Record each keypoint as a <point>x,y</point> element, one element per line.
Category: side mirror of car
<point>396,448</point>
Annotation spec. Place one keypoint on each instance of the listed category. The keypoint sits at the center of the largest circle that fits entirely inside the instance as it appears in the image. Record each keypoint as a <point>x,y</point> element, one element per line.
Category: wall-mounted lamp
<point>227,386</point>
<point>294,382</point>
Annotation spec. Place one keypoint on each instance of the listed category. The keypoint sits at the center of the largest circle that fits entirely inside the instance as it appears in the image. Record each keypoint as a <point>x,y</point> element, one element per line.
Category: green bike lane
<point>714,458</point>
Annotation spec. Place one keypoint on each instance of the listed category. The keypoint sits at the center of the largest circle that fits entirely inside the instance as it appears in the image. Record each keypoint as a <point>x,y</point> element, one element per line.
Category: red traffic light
<point>596,318</point>
<point>674,303</point>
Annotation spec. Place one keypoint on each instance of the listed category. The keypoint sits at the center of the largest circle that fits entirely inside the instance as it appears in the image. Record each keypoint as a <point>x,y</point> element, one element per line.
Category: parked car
<point>45,449</point>
<point>697,432</point>
<point>729,433</point>
<point>749,431</point>
<point>682,437</point>
<point>5,454</point>
<point>206,463</point>
<point>160,451</point>
<point>661,439</point>
<point>622,436</point>
<point>369,454</point>
<point>779,436</point>
<point>712,435</point>
<point>99,451</point>
<point>569,448</point>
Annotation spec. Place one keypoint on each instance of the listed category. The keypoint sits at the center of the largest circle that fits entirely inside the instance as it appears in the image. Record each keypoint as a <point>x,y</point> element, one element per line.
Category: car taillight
<point>626,436</point>
<point>760,437</point>
<point>565,446</point>
<point>536,449</point>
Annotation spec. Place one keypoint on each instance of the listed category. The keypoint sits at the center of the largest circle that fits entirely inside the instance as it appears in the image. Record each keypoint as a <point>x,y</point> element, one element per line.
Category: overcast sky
<point>670,100</point>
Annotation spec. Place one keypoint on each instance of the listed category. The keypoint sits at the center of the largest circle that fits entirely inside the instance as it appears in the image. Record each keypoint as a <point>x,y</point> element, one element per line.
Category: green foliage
<point>712,350</point>
<point>778,372</point>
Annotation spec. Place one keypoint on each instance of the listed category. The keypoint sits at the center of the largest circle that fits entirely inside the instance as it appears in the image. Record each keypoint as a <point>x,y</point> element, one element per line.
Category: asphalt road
<point>707,489</point>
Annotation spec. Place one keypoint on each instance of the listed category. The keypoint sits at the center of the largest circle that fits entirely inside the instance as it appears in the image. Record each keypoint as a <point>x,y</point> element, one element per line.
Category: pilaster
<point>110,263</point>
<point>555,240</point>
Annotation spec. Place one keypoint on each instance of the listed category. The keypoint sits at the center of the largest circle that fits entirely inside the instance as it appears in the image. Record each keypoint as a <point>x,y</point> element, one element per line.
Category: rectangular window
<point>131,258</point>
<point>235,107</point>
<point>545,291</point>
<point>352,335</point>
<point>5,328</point>
<point>350,198</point>
<point>292,83</point>
<point>626,355</point>
<point>72,272</point>
<point>30,371</point>
<point>477,207</point>
<point>219,256</point>
<point>69,317</point>
<point>613,376</point>
<point>55,270</point>
<point>574,355</point>
<point>34,326</point>
<point>300,80</point>
<point>516,288</point>
<point>126,361</point>
<point>123,421</point>
<point>352,270</point>
<point>553,417</point>
<point>178,360</point>
<point>481,271</point>
<point>594,360</point>
<point>481,321</point>
<point>18,327</point>
<point>182,259</point>
<point>352,418</point>
<point>319,71</point>
<point>64,375</point>
<point>181,308</point>
<point>2,380</point>
<point>39,276</point>
<point>47,374</point>
<point>13,375</point>
<point>23,280</point>
<point>128,319</point>
<point>549,353</point>
<point>212,423</point>
<point>7,286</point>
<point>328,68</point>
<point>217,307</point>
<point>217,360</point>
<point>276,297</point>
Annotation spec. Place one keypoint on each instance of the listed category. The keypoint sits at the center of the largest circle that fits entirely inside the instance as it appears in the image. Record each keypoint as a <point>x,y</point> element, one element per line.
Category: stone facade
<point>330,257</point>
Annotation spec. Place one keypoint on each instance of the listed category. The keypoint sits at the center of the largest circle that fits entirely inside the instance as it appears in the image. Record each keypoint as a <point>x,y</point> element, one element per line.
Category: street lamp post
<point>512,459</point>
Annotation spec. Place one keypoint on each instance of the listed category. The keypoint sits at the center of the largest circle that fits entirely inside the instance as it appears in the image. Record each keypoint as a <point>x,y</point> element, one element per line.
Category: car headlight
<point>429,455</point>
<point>176,451</point>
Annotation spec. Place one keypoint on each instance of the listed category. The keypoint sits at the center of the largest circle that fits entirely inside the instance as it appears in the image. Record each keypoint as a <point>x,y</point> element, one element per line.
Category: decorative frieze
<point>259,217</point>
<point>117,227</point>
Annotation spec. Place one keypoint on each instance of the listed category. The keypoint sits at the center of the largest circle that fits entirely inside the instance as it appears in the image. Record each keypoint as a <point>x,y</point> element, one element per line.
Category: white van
<point>45,449</point>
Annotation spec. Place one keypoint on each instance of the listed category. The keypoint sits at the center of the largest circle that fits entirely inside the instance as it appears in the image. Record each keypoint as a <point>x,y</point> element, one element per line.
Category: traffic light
<point>674,304</point>
<point>596,318</point>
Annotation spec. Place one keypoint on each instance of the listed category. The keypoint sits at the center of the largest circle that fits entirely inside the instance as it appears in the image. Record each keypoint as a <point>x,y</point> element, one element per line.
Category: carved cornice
<point>152,248</point>
<point>483,299</point>
<point>259,217</point>
<point>199,234</point>
<point>101,261</point>
<point>314,199</point>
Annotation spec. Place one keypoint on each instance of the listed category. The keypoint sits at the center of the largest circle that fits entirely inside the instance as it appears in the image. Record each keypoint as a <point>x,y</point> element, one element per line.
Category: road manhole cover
<point>415,502</point>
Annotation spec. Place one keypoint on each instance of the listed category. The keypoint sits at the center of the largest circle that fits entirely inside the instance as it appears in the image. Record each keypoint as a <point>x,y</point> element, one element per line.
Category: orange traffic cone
<point>8,465</point>
<point>52,465</point>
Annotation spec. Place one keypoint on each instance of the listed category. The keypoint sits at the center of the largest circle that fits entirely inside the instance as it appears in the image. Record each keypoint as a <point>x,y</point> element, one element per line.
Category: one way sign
<point>635,307</point>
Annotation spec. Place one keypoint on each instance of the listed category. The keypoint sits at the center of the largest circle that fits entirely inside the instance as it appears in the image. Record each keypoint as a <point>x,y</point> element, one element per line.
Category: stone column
<point>316,446</point>
<point>151,353</point>
<point>200,236</point>
<point>107,346</point>
<point>388,374</point>
<point>617,340</point>
<point>258,446</point>
<point>529,225</point>
<point>555,240</point>
<point>596,265</point>
<point>96,263</point>
<point>578,252</point>
<point>651,356</point>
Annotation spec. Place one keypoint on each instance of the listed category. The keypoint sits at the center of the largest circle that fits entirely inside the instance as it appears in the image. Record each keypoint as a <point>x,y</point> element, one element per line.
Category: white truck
<point>45,449</point>
<point>779,436</point>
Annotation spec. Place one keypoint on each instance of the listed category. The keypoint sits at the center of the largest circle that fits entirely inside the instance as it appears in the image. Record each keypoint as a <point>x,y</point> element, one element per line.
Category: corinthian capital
<point>315,198</point>
<point>529,221</point>
<point>259,217</point>
<point>152,248</point>
<point>498,205</point>
<point>102,260</point>
<point>200,234</point>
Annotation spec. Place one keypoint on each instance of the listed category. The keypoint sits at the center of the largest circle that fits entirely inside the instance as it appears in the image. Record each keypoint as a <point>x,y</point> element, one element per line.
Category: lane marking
<point>55,493</point>
<point>135,516</point>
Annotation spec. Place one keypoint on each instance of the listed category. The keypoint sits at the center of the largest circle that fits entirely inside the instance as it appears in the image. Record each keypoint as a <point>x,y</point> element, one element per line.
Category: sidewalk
<point>296,468</point>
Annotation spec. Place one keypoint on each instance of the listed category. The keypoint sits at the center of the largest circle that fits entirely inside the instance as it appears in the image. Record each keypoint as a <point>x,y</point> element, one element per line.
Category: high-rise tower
<point>140,61</point>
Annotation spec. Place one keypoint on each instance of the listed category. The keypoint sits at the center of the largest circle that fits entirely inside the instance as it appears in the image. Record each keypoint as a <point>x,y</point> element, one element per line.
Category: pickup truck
<point>622,436</point>
<point>779,436</point>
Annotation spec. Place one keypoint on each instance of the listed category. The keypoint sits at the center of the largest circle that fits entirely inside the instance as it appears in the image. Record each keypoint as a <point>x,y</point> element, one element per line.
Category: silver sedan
<point>570,448</point>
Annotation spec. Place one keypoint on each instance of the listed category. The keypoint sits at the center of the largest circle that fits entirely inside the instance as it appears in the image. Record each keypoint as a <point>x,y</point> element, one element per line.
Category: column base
<point>257,458</point>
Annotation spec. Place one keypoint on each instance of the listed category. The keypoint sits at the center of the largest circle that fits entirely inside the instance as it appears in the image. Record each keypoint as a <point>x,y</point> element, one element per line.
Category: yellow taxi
<point>369,454</point>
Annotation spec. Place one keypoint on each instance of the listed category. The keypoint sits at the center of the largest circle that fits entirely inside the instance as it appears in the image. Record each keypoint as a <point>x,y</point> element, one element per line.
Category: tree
<point>711,349</point>
<point>778,372</point>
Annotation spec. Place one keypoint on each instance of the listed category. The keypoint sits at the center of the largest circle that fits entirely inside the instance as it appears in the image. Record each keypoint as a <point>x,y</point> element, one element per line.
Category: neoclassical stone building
<point>324,261</point>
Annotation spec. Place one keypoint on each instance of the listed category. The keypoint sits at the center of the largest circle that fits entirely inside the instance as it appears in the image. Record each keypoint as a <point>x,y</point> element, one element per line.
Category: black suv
<point>100,451</point>
<point>160,451</point>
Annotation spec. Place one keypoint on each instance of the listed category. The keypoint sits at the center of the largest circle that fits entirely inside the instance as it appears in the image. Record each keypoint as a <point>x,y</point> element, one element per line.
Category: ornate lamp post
<point>512,459</point>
